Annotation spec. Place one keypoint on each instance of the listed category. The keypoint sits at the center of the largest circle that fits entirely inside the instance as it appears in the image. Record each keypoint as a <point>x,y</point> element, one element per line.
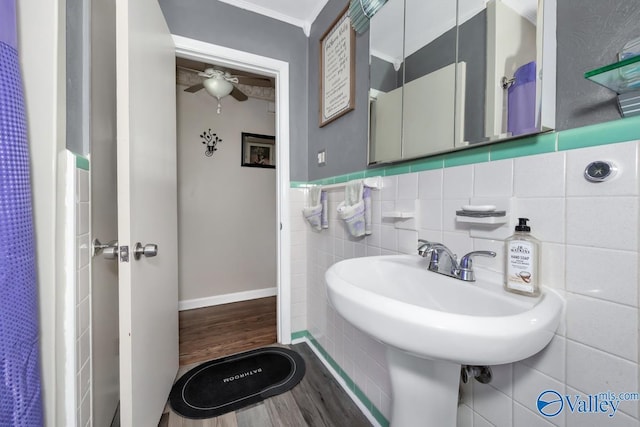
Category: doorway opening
<point>256,65</point>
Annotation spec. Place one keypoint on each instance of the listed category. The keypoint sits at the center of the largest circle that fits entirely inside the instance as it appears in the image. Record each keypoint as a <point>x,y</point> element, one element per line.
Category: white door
<point>147,210</point>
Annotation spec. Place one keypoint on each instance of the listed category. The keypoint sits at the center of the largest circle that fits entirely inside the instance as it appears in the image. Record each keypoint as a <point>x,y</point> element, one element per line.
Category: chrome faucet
<point>449,265</point>
<point>441,259</point>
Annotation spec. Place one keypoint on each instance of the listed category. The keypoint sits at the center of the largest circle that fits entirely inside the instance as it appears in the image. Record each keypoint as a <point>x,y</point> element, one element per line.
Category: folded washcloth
<point>314,213</point>
<point>352,209</point>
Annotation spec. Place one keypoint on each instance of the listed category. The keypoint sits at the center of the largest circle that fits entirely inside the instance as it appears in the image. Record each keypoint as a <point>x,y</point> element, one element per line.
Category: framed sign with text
<point>337,69</point>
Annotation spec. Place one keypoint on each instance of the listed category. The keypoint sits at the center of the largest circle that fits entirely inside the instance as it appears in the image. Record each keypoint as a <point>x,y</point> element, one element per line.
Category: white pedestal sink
<point>432,324</point>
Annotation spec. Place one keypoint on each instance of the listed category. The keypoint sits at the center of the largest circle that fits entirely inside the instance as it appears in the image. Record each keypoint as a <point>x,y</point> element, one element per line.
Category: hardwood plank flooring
<point>321,399</point>
<point>213,332</point>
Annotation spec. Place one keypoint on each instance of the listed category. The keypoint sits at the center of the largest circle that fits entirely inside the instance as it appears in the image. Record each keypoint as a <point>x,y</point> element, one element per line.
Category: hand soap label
<point>520,261</point>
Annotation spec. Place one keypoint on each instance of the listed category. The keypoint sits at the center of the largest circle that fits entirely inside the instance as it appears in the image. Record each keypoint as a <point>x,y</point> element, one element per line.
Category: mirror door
<point>386,57</point>
<point>430,90</point>
<point>470,73</point>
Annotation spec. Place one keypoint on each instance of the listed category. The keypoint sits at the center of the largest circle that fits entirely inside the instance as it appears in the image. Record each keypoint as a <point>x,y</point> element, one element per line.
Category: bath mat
<point>233,382</point>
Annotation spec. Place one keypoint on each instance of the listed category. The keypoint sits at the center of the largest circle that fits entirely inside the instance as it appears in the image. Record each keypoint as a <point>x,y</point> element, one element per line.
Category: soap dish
<point>479,208</point>
<point>480,214</point>
<point>482,217</point>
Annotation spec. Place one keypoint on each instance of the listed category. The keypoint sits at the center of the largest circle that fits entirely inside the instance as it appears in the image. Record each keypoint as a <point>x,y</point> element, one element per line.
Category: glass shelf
<point>620,77</point>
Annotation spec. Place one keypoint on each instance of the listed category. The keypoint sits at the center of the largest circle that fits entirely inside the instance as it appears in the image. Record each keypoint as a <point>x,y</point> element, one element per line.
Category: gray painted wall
<point>218,23</point>
<point>345,139</point>
<point>75,92</point>
<point>590,32</point>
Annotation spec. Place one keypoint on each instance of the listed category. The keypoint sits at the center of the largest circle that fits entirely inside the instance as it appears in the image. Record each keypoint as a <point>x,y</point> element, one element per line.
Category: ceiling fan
<point>220,82</point>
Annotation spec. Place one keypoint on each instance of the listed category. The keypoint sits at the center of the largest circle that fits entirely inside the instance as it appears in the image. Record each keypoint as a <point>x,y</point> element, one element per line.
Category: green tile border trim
<point>340,179</point>
<point>612,132</point>
<point>373,172</point>
<point>397,170</point>
<point>82,162</point>
<point>467,157</point>
<point>537,144</point>
<point>615,131</point>
<point>298,184</point>
<point>299,335</point>
<point>427,164</point>
<point>350,384</point>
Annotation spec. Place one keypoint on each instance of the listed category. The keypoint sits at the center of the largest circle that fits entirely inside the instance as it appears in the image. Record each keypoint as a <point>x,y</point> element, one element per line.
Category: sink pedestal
<point>424,391</point>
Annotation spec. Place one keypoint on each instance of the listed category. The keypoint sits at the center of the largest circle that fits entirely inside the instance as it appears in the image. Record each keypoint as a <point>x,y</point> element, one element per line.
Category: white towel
<point>315,193</point>
<point>352,209</point>
<point>314,213</point>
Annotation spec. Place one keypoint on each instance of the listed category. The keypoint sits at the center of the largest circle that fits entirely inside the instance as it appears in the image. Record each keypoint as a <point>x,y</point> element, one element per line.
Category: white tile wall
<point>299,273</point>
<point>83,299</point>
<point>589,235</point>
<point>493,179</point>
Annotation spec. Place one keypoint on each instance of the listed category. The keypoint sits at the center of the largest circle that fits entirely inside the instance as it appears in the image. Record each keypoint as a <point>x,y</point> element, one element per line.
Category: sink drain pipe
<point>482,374</point>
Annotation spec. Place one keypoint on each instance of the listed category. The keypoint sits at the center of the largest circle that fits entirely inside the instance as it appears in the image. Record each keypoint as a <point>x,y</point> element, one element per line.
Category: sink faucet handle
<point>465,261</point>
<point>434,261</point>
<point>466,264</point>
<point>424,247</point>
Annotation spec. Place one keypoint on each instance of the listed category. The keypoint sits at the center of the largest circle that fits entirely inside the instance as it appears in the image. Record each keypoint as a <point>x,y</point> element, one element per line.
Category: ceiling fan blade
<point>252,81</point>
<point>194,88</point>
<point>238,94</point>
<point>191,64</point>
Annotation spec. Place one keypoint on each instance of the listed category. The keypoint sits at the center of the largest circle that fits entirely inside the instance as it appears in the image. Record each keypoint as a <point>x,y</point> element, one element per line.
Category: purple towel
<point>20,397</point>
<point>522,101</point>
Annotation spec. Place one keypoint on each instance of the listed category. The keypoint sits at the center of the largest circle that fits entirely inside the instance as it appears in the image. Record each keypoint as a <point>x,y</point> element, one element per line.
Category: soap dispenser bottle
<point>522,257</point>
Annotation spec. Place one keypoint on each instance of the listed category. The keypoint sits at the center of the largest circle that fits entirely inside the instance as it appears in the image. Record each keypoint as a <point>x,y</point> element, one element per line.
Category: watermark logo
<point>550,403</point>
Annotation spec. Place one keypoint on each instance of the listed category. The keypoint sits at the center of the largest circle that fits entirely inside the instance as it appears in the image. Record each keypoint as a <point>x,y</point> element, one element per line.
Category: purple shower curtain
<point>20,396</point>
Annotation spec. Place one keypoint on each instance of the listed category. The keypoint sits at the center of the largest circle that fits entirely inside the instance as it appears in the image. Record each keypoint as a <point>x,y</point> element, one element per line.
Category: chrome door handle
<point>149,250</point>
<point>109,250</point>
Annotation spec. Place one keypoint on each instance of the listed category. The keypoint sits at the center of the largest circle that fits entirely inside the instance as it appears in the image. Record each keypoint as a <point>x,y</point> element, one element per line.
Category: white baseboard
<point>226,298</point>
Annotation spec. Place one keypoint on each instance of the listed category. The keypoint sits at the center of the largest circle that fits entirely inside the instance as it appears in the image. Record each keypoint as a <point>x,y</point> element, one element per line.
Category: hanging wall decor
<point>258,151</point>
<point>337,69</point>
<point>210,140</point>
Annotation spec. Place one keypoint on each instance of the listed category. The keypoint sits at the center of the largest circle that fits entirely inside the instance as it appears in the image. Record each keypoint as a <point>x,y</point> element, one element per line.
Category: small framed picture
<point>258,151</point>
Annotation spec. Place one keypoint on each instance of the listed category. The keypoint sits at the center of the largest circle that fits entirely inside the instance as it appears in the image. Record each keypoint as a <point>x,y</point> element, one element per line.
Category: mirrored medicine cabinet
<point>447,75</point>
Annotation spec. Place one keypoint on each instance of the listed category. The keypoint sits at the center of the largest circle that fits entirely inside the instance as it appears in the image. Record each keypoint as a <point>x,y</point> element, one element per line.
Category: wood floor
<point>212,332</point>
<point>317,401</point>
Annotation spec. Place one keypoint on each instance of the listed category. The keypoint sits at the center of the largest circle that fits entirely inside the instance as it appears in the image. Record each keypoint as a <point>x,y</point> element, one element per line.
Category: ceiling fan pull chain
<point>219,107</point>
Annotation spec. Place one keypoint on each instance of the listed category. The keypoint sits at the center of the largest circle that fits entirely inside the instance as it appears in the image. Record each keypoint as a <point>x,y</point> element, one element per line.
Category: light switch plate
<point>322,157</point>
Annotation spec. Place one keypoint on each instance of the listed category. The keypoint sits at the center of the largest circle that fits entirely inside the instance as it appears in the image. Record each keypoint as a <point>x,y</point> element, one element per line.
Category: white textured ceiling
<point>300,13</point>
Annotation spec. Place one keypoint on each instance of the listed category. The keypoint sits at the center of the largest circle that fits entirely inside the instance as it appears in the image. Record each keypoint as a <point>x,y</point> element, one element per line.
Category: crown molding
<point>305,25</point>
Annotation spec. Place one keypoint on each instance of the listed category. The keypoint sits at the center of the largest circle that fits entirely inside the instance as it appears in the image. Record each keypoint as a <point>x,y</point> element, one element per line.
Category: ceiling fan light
<point>217,87</point>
